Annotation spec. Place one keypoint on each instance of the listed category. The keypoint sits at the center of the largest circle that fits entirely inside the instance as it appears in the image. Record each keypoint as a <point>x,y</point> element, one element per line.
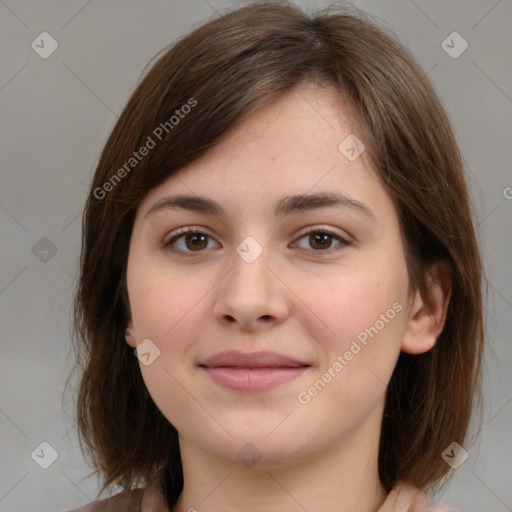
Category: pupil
<point>320,238</point>
<point>195,237</point>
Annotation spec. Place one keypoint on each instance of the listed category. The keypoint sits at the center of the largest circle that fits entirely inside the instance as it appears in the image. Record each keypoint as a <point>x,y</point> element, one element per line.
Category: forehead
<point>295,144</point>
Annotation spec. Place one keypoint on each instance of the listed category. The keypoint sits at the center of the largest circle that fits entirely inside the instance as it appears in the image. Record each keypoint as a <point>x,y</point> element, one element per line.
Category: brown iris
<point>196,237</point>
<point>319,238</point>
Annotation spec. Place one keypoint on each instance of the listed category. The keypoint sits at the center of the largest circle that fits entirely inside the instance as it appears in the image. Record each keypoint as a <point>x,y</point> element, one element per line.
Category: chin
<point>265,449</point>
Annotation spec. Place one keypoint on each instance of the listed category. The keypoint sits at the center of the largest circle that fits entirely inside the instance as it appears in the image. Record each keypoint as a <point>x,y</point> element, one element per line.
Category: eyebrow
<point>284,206</point>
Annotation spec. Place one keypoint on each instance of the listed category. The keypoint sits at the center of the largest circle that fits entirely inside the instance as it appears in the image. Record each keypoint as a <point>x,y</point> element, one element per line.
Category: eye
<point>321,239</point>
<point>193,239</point>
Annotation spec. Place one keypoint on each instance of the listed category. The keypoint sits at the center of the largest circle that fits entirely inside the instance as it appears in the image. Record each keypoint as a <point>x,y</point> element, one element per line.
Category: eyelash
<point>192,230</point>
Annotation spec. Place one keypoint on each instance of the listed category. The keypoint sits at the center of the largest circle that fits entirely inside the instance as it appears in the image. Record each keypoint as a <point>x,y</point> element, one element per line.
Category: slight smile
<point>256,371</point>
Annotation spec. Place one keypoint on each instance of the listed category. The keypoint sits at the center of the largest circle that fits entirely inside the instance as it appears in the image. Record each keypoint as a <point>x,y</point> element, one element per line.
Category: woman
<point>280,230</point>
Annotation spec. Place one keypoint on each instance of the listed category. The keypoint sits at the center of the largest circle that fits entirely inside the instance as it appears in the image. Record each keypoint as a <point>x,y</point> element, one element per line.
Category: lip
<point>255,371</point>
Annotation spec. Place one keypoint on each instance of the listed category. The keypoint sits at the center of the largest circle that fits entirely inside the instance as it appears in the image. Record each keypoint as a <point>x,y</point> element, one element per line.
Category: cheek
<point>361,315</point>
<point>164,307</point>
<point>347,302</point>
<point>351,381</point>
<point>160,301</point>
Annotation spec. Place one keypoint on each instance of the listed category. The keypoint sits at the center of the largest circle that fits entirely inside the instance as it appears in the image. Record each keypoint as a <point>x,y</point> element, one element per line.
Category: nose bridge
<point>250,290</point>
<point>250,262</point>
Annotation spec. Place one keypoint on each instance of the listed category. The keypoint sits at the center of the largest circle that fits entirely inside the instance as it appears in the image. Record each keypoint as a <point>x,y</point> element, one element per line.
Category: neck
<point>343,478</point>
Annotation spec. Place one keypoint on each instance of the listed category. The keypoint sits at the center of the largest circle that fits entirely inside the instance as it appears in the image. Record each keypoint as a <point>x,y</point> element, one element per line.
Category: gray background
<point>56,114</point>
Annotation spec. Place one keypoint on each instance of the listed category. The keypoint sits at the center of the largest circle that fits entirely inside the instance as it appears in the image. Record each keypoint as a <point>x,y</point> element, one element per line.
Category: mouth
<point>257,371</point>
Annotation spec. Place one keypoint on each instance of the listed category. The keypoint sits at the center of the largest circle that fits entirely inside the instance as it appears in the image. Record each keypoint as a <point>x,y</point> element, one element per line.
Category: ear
<point>129,335</point>
<point>427,315</point>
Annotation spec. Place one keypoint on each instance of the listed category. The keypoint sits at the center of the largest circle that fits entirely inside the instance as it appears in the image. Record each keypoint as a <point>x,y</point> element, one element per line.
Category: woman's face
<point>269,337</point>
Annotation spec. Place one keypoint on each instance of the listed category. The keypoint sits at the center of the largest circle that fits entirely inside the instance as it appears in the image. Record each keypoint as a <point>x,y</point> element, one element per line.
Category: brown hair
<point>230,66</point>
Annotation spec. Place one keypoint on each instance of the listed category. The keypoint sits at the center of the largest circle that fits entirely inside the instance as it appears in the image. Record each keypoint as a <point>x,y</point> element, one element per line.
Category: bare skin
<point>301,449</point>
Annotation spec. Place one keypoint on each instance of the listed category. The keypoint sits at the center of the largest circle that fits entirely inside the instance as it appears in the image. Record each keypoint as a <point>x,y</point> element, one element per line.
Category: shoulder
<point>148,499</point>
<point>406,498</point>
<point>126,501</point>
<point>440,507</point>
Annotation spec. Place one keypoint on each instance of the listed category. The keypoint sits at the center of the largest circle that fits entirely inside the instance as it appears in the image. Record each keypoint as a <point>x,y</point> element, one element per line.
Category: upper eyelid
<point>185,230</point>
<point>314,228</point>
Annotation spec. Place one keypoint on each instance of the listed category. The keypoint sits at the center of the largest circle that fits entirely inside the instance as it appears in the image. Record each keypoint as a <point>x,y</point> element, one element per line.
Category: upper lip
<point>261,359</point>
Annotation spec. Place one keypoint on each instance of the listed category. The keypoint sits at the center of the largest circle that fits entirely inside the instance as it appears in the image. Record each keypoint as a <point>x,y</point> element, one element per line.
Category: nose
<point>251,297</point>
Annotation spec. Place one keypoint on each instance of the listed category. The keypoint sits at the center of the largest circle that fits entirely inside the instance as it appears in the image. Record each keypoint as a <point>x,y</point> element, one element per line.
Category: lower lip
<point>253,379</point>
